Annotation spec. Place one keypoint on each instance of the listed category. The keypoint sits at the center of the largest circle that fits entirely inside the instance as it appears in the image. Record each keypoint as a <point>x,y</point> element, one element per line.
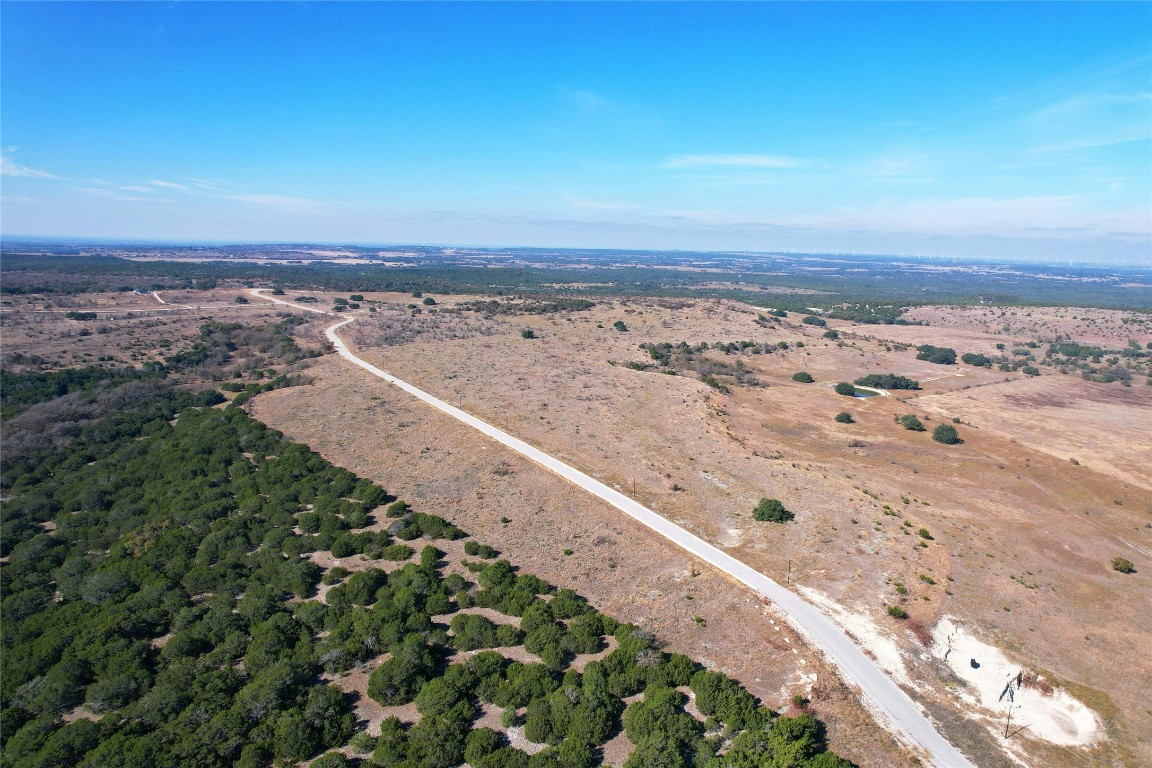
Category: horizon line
<point>146,242</point>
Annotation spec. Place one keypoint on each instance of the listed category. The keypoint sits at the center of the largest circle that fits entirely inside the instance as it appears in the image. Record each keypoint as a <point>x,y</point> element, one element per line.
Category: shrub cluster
<point>173,595</point>
<point>771,510</point>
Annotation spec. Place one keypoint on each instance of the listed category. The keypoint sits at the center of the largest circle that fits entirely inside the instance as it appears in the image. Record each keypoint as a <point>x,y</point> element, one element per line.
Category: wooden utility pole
<point>1008,722</point>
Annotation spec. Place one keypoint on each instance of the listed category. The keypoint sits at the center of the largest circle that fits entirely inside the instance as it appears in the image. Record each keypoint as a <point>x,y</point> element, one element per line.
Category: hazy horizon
<point>996,132</point>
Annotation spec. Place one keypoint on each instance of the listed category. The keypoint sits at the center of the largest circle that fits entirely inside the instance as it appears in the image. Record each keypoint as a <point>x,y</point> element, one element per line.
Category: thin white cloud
<point>599,205</point>
<point>273,201</point>
<point>1054,216</point>
<point>10,168</point>
<point>1092,120</point>
<point>1057,215</point>
<point>1092,103</point>
<point>108,194</point>
<point>732,179</point>
<point>213,185</point>
<point>135,188</point>
<point>732,161</point>
<point>168,185</point>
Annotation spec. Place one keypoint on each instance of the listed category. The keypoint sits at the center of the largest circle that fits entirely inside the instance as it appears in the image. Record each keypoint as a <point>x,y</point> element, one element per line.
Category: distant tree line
<point>887,381</point>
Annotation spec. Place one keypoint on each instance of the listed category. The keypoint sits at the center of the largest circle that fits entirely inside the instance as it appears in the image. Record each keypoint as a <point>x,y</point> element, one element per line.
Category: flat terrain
<point>1024,516</point>
<point>623,569</point>
<point>1021,537</point>
<point>128,328</point>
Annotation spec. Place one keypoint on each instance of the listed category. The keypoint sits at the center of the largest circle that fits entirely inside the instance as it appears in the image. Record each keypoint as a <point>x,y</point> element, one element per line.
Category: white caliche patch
<point>878,642</point>
<point>993,681</point>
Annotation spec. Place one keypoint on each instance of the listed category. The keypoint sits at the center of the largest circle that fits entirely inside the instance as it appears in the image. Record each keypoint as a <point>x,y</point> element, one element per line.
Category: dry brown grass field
<point>129,328</point>
<point>448,469</point>
<point>1021,539</point>
<point>1050,483</point>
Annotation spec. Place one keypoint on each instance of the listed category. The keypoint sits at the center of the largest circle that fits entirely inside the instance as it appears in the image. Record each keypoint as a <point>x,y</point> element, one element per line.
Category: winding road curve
<point>903,716</point>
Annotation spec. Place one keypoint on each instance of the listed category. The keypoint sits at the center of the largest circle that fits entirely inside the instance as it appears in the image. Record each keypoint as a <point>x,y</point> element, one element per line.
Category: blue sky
<point>990,130</point>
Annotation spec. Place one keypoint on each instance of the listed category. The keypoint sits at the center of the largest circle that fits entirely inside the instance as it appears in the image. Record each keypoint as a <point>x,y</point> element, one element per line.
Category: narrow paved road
<point>903,715</point>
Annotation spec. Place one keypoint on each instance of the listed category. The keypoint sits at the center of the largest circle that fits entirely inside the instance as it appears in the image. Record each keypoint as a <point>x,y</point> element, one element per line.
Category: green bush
<point>771,510</point>
<point>938,355</point>
<point>527,333</point>
<point>476,549</point>
<point>845,418</point>
<point>897,612</point>
<point>946,434</point>
<point>711,381</point>
<point>1123,565</point>
<point>844,388</point>
<point>887,381</point>
<point>912,423</point>
<point>978,360</point>
<point>362,743</point>
<point>480,743</point>
<point>819,322</point>
<point>398,680</point>
<point>831,334</point>
<point>471,631</point>
<point>803,377</point>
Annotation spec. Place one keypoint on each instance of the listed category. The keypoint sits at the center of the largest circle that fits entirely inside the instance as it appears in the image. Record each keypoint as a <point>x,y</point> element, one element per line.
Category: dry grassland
<point>1021,537</point>
<point>129,328</point>
<point>448,469</point>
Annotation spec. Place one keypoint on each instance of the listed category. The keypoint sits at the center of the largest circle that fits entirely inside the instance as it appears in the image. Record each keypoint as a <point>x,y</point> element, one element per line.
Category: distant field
<point>793,281</point>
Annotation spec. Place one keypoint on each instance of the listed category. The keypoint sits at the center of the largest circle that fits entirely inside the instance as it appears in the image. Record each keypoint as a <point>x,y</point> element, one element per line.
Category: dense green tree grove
<point>158,574</point>
<point>887,381</point>
<point>938,355</point>
<point>973,358</point>
<point>25,389</point>
<point>161,593</point>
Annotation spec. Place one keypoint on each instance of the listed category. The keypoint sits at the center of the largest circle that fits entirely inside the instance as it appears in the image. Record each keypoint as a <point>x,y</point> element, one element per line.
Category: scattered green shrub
<point>887,381</point>
<point>946,434</point>
<point>771,510</point>
<point>912,423</point>
<point>1123,565</point>
<point>938,355</point>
